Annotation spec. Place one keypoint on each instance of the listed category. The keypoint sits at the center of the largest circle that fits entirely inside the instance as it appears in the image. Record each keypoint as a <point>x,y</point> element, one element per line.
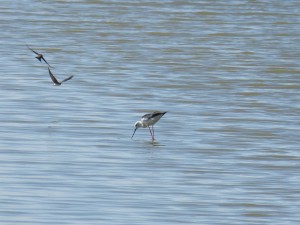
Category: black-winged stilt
<point>147,121</point>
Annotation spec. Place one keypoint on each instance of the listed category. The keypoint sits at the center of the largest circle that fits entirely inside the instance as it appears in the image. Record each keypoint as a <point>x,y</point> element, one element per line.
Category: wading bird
<point>147,121</point>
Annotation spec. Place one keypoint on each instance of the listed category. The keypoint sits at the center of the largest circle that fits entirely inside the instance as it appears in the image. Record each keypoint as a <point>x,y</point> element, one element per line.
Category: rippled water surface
<point>227,151</point>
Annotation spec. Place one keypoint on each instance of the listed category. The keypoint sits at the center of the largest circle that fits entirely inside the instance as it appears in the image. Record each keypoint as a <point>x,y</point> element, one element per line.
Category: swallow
<point>55,81</point>
<point>39,56</point>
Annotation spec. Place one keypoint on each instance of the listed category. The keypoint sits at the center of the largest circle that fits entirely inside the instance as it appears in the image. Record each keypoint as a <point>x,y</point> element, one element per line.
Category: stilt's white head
<point>137,125</point>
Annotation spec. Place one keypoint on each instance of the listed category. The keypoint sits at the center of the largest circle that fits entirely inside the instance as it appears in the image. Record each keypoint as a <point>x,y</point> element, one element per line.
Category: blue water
<point>227,151</point>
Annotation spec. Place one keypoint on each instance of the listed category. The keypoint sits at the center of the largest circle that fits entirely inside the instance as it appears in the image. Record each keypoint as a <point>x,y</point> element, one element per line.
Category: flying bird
<point>55,81</point>
<point>147,121</point>
<point>39,56</point>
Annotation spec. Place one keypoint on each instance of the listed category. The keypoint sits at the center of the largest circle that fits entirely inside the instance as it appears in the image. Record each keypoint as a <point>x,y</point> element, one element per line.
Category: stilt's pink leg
<point>152,130</point>
<point>151,134</point>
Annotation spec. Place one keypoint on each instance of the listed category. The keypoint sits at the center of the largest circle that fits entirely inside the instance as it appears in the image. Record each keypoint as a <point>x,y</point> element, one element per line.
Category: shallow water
<point>227,151</point>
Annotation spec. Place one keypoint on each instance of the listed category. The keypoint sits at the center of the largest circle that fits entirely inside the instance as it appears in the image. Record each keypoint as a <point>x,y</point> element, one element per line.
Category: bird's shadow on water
<point>149,143</point>
<point>156,143</point>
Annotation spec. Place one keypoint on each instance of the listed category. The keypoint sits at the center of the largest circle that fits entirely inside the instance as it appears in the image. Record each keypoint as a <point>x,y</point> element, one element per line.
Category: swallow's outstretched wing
<point>53,78</point>
<point>33,50</point>
<point>45,61</point>
<point>69,78</point>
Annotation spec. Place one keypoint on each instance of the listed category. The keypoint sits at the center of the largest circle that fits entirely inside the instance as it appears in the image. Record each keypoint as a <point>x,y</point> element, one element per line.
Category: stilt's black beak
<point>134,132</point>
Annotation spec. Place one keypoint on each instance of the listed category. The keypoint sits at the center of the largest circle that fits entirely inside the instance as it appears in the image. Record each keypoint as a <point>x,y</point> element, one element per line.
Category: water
<point>227,151</point>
